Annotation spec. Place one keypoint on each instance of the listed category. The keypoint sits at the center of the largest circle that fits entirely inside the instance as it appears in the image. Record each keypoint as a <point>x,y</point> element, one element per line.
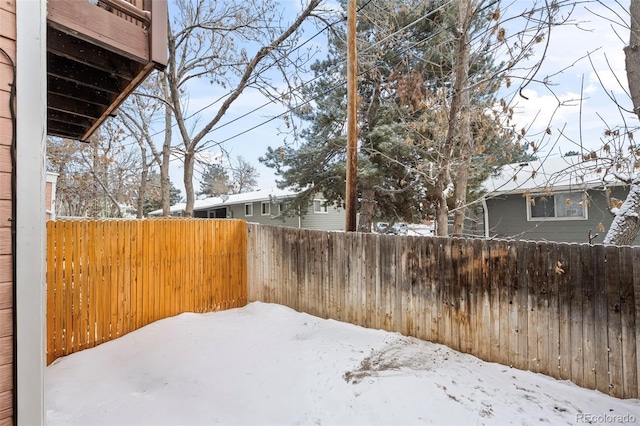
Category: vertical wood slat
<point>532,305</point>
<point>565,276</point>
<point>543,310</point>
<point>573,270</point>
<point>600,305</point>
<point>588,315</point>
<point>553,318</point>
<point>483,302</point>
<point>503,305</point>
<point>108,278</point>
<point>628,324</point>
<point>614,322</point>
<point>511,284</point>
<point>521,298</point>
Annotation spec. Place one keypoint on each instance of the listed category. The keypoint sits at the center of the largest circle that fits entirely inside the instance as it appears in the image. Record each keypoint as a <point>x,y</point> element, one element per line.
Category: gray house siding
<point>238,212</point>
<point>508,219</point>
<point>332,220</point>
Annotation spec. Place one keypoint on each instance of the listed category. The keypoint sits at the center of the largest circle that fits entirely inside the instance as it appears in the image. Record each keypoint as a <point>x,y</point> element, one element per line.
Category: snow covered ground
<point>267,364</point>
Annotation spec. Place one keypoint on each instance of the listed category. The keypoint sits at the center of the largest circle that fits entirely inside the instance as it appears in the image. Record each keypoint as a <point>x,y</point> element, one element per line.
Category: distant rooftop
<point>245,197</point>
<point>557,173</point>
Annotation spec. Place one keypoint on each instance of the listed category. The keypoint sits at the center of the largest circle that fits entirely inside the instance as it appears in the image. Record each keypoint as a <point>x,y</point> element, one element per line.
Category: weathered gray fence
<point>567,311</point>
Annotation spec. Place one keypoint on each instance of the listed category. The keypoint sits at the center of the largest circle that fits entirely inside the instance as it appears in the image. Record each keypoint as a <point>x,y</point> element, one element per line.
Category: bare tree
<point>137,116</point>
<point>205,42</point>
<point>243,176</point>
<point>96,179</point>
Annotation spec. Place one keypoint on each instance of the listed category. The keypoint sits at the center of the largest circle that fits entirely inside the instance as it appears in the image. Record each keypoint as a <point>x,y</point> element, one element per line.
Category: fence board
<point>457,295</point>
<point>553,317</point>
<point>588,315</point>
<point>614,322</point>
<point>497,253</point>
<point>503,304</point>
<point>600,306</point>
<point>521,299</point>
<point>574,283</point>
<point>430,277</point>
<point>388,266</point>
<point>446,278</point>
<point>511,284</point>
<point>565,275</point>
<point>628,324</point>
<point>483,299</point>
<point>535,284</point>
<point>636,303</point>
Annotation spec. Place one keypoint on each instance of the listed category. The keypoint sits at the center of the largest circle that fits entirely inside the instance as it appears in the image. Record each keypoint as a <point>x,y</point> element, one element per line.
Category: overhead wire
<point>336,86</point>
<point>277,60</point>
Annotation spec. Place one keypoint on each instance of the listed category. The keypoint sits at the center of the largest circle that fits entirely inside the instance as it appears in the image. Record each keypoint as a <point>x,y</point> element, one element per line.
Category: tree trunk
<point>142,188</point>
<point>626,221</point>
<point>189,162</point>
<point>632,56</point>
<point>443,180</point>
<point>464,128</point>
<point>165,179</point>
<point>442,210</point>
<point>367,205</point>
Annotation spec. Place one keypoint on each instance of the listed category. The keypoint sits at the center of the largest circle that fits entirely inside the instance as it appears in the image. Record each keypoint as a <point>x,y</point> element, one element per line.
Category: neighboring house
<point>266,207</point>
<point>559,199</point>
<point>73,63</point>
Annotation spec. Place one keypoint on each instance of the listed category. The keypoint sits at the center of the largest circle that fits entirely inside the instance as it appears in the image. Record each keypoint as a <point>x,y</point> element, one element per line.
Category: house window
<point>248,209</point>
<point>560,206</point>
<point>266,208</point>
<point>320,206</point>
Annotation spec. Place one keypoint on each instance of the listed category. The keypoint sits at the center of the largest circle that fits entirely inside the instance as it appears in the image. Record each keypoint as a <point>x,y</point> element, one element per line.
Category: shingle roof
<point>245,197</point>
<point>558,173</point>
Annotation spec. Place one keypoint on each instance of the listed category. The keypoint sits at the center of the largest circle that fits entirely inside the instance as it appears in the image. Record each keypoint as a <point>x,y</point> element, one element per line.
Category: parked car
<point>399,228</point>
<point>381,227</point>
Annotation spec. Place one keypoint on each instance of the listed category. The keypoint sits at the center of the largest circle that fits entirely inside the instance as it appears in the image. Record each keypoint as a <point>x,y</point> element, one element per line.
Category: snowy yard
<point>267,364</point>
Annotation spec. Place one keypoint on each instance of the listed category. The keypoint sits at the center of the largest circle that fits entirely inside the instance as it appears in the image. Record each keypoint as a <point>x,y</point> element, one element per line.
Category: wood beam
<point>54,126</point>
<point>66,117</point>
<point>126,92</point>
<point>71,89</point>
<point>68,105</point>
<point>66,69</point>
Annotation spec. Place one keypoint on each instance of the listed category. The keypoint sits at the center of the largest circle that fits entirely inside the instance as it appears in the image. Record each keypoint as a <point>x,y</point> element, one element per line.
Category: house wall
<point>237,212</point>
<point>8,44</point>
<point>333,220</point>
<point>508,219</point>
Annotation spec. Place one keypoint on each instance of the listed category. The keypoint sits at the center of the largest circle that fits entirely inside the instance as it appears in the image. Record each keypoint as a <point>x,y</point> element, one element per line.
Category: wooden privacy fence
<point>107,278</point>
<point>567,311</point>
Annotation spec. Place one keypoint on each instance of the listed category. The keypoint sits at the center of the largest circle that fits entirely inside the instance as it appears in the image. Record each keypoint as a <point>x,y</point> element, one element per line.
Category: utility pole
<point>351,198</point>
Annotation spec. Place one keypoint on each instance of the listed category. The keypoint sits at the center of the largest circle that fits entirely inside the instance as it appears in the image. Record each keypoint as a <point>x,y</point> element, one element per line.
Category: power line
<point>336,66</point>
<point>318,96</point>
<point>277,60</point>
